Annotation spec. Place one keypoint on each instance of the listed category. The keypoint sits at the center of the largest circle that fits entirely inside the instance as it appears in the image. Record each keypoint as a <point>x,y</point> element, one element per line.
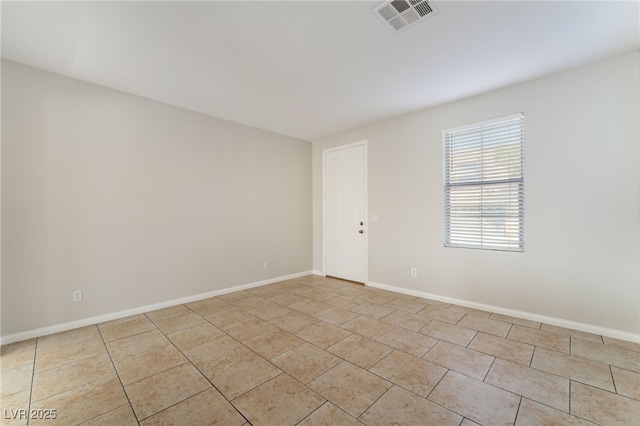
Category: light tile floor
<point>320,351</point>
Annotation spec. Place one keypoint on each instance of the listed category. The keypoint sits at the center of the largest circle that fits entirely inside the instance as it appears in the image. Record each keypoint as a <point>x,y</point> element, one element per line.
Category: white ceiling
<point>311,69</point>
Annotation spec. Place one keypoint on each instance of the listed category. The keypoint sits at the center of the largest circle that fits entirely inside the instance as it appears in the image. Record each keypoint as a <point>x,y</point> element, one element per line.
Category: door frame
<point>366,206</point>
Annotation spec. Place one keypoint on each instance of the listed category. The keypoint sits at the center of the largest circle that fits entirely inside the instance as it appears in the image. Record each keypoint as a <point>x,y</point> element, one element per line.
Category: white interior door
<point>345,212</point>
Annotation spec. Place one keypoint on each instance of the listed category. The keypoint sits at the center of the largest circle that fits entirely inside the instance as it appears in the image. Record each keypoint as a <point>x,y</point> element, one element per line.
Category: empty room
<point>320,213</point>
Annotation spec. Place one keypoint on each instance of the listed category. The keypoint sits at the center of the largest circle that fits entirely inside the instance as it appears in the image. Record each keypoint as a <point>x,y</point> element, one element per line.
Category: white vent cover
<point>401,14</point>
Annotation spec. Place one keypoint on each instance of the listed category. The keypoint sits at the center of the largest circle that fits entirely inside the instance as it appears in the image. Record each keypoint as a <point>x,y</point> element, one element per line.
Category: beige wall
<point>136,202</point>
<point>582,193</point>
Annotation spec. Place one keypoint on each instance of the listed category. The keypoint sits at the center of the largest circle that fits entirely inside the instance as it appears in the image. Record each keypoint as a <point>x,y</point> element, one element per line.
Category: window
<point>484,185</point>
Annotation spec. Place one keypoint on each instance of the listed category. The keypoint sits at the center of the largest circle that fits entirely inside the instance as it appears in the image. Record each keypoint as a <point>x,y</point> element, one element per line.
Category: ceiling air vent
<point>401,14</point>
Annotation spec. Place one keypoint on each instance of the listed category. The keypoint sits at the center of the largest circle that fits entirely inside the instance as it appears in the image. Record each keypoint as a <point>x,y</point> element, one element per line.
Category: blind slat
<point>484,185</point>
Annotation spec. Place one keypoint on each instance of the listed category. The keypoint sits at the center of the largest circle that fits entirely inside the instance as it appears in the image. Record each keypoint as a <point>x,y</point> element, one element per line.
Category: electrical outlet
<point>266,264</point>
<point>77,295</point>
<point>414,272</point>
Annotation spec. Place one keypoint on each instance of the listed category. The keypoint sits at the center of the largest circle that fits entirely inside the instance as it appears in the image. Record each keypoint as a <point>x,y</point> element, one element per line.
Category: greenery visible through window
<point>484,185</point>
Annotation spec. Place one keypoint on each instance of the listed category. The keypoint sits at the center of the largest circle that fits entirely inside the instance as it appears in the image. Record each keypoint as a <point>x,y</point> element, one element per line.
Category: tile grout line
<point>311,413</point>
<point>409,390</point>
<point>510,327</point>
<point>378,398</point>
<point>194,366</point>
<point>583,382</point>
<point>440,405</point>
<point>550,406</point>
<point>117,375</point>
<point>570,394</point>
<point>192,396</point>
<point>515,419</point>
<point>160,372</point>
<point>489,369</point>
<point>570,345</point>
<point>533,354</point>
<point>63,366</point>
<point>436,385</point>
<point>613,380</point>
<point>33,376</point>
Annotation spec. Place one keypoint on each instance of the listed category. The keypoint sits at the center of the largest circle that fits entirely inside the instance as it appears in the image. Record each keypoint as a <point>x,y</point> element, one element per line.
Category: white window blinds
<point>484,185</point>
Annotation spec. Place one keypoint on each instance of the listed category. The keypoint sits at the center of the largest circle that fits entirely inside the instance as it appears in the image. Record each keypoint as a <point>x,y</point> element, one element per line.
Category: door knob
<point>361,232</point>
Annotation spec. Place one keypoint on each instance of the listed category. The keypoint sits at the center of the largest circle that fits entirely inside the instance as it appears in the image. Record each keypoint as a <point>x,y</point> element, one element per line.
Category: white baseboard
<point>314,272</point>
<point>602,331</point>
<point>30,334</point>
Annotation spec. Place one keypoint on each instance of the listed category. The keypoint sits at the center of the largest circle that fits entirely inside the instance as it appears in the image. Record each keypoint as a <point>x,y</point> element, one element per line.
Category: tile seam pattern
<point>374,298</point>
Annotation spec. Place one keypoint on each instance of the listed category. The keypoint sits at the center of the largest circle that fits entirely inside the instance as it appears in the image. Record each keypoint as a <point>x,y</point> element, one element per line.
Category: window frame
<point>472,235</point>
